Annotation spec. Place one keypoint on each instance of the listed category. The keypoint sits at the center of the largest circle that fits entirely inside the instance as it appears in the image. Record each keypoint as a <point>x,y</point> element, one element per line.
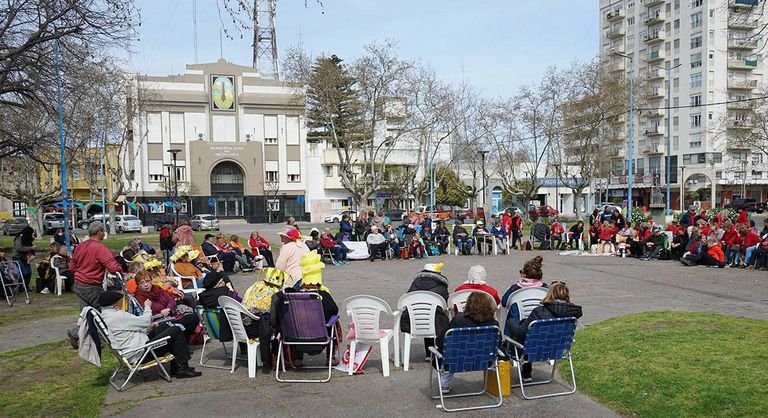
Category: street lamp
<point>669,130</point>
<point>682,187</point>
<point>175,151</point>
<point>482,155</point>
<point>558,206</point>
<point>631,123</point>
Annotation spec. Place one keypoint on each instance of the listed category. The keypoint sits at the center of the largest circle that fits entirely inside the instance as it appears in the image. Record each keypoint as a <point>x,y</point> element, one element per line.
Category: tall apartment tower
<point>698,62</point>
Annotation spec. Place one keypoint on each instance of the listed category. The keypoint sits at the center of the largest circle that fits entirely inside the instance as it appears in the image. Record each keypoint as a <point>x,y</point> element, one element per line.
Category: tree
<point>449,190</point>
<point>597,100</point>
<point>271,190</point>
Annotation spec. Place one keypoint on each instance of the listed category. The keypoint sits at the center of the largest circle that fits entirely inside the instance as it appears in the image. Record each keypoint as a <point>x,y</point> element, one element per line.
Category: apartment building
<point>696,63</point>
<point>233,141</point>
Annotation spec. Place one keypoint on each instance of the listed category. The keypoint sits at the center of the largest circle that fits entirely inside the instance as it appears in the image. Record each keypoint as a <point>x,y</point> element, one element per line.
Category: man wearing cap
<point>377,244</point>
<point>483,237</point>
<point>89,262</point>
<point>653,245</point>
<point>432,280</point>
<point>461,239</point>
<point>290,254</point>
<point>128,331</point>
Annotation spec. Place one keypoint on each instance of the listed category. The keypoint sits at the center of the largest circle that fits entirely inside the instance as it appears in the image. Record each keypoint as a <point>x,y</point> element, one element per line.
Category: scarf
<point>524,282</point>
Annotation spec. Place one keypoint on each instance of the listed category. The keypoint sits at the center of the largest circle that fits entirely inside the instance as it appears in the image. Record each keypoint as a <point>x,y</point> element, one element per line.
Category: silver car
<point>15,225</point>
<point>127,223</point>
<point>52,222</point>
<point>204,222</point>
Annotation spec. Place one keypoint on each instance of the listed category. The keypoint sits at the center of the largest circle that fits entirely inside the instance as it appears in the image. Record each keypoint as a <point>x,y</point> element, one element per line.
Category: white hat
<point>476,275</point>
<point>433,267</point>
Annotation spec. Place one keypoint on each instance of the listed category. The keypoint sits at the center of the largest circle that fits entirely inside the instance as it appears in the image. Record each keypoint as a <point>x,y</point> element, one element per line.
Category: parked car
<point>53,221</point>
<point>204,222</point>
<point>170,220</point>
<point>396,214</point>
<point>514,210</point>
<point>336,217</point>
<point>439,212</point>
<point>83,224</point>
<point>463,213</point>
<point>543,210</point>
<point>14,225</point>
<point>751,205</point>
<point>612,206</point>
<point>127,223</point>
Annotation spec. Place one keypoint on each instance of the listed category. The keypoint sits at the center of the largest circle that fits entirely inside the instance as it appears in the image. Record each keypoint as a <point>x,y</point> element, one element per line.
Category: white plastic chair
<point>422,307</point>
<point>233,309</point>
<point>194,290</point>
<point>365,312</point>
<point>457,300</point>
<point>526,300</point>
<point>59,277</point>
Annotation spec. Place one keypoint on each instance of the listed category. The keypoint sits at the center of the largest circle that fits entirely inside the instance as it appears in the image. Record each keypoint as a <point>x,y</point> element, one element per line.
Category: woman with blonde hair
<point>556,304</point>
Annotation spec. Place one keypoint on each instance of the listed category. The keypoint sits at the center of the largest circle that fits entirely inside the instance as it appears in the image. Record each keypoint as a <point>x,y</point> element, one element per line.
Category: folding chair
<point>124,356</point>
<point>547,340</point>
<point>422,307</point>
<point>302,323</point>
<point>327,257</point>
<point>539,233</point>
<point>59,277</point>
<point>11,279</point>
<point>209,319</point>
<point>471,349</point>
<point>524,301</point>
<point>233,309</point>
<point>457,301</point>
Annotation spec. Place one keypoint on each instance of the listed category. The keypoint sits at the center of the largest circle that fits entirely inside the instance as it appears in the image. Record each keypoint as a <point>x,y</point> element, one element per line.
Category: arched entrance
<point>695,180</point>
<point>227,190</point>
<point>496,199</point>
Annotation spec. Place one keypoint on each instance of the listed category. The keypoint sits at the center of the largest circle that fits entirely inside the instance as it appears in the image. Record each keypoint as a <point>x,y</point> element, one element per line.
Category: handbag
<point>505,375</point>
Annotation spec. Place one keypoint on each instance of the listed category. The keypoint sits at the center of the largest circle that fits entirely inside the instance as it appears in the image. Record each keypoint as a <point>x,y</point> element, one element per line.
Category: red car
<point>544,210</point>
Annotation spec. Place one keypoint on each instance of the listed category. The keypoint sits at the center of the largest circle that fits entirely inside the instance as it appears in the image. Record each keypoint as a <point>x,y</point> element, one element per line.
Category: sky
<point>496,45</point>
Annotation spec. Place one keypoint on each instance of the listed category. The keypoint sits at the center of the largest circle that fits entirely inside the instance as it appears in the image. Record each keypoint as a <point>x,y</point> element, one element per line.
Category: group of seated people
<point>482,304</point>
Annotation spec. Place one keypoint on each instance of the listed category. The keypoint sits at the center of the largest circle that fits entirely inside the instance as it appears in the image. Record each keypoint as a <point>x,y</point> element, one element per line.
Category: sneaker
<point>446,390</point>
<point>45,291</point>
<point>527,379</point>
<point>427,359</point>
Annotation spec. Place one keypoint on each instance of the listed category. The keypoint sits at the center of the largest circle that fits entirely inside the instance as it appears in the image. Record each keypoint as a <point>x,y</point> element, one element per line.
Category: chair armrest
<point>331,322</point>
<point>150,345</point>
<point>434,351</point>
<point>250,315</point>
<point>515,343</point>
<point>396,315</point>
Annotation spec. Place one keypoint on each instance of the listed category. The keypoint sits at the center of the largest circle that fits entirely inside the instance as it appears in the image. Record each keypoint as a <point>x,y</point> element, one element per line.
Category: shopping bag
<point>362,351</point>
<point>505,375</point>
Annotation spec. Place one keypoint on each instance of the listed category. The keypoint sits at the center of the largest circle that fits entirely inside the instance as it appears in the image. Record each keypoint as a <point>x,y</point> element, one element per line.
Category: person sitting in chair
<point>483,237</point>
<point>442,237</point>
<point>163,304</point>
<point>432,280</point>
<point>556,231</point>
<point>183,265</point>
<point>500,235</point>
<point>478,312</point>
<point>209,249</point>
<point>260,246</point>
<point>461,239</point>
<point>392,240</point>
<point>327,242</point>
<point>416,249</point>
<point>377,244</point>
<point>556,304</point>
<point>129,332</point>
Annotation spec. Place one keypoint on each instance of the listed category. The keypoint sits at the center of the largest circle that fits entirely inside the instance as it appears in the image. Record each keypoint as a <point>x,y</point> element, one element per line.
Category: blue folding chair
<point>547,340</point>
<point>472,349</point>
<point>209,320</point>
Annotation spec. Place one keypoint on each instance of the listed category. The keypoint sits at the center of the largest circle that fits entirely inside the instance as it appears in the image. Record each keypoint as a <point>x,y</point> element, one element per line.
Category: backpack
<point>432,249</point>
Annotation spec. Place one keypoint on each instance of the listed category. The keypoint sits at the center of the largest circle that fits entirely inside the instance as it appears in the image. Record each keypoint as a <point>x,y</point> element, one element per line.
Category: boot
<point>183,371</point>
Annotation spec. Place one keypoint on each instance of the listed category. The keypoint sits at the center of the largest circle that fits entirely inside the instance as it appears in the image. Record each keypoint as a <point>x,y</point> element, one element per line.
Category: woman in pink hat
<point>290,254</point>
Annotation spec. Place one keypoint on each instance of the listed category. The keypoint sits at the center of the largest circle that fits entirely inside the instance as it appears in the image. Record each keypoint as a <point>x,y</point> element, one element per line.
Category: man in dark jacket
<point>217,284</point>
<point>431,280</point>
<point>653,245</point>
<point>461,239</point>
<point>442,237</point>
<point>687,219</point>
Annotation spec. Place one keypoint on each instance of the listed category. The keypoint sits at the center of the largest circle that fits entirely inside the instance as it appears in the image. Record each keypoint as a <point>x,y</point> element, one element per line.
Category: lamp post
<point>558,206</point>
<point>669,132</point>
<point>630,178</point>
<point>60,110</point>
<point>682,187</point>
<point>173,152</point>
<point>482,167</point>
<point>743,179</point>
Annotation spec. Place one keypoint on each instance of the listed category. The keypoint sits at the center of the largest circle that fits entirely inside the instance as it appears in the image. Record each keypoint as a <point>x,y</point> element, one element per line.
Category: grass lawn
<point>42,307</point>
<point>675,364</point>
<point>51,380</point>
<point>115,242</point>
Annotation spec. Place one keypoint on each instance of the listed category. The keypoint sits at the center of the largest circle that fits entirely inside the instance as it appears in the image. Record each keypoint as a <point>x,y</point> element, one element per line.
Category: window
<point>676,121</point>
<point>677,24</point>
<point>19,209</point>
<point>271,176</point>
<point>156,178</point>
<point>328,170</point>
<point>696,20</point>
<point>294,178</point>
<point>695,80</point>
<point>630,4</point>
<point>630,21</point>
<point>696,100</point>
<point>270,140</point>
<point>676,44</point>
<point>273,205</point>
<point>696,3</point>
<point>711,12</point>
<point>181,174</point>
<point>696,60</point>
<point>696,42</point>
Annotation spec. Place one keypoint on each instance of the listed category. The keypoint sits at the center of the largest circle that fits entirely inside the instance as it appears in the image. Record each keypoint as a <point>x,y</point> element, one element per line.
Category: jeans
<point>748,255</point>
<point>464,245</point>
<point>732,256</point>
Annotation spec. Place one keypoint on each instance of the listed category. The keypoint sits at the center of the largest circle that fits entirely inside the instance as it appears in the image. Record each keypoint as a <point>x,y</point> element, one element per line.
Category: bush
<point>732,213</point>
<point>639,216</point>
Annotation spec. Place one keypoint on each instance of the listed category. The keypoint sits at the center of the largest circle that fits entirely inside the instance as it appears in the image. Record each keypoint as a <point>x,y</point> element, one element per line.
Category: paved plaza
<point>604,286</point>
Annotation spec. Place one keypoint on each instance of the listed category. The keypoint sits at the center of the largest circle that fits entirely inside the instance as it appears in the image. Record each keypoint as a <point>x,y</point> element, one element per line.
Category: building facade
<point>231,143</point>
<point>696,64</point>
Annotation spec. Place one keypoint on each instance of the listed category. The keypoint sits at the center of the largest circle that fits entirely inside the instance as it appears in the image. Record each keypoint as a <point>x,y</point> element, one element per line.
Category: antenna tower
<point>265,39</point>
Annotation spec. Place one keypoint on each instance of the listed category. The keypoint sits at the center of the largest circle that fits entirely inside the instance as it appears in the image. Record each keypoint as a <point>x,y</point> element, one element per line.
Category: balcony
<point>654,131</point>
<point>742,64</point>
<point>737,145</point>
<point>735,43</point>
<point>619,119</point>
<point>742,84</point>
<point>654,37</point>
<point>740,105</point>
<point>615,15</point>
<point>736,21</point>
<point>655,74</point>
<point>654,148</point>
<point>616,33</point>
<point>742,4</point>
<point>739,124</point>
<point>655,56</point>
<point>651,3</point>
<point>655,93</point>
<point>618,66</point>
<point>654,18</point>
<point>655,113</point>
<point>617,152</point>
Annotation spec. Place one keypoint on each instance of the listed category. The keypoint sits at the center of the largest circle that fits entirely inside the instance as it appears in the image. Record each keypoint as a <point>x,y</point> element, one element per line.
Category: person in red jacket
<point>749,243</point>
<point>506,222</point>
<point>715,255</point>
<point>743,218</point>
<point>89,262</point>
<point>163,305</point>
<point>476,281</point>
<point>674,227</point>
<point>556,233</point>
<point>260,246</point>
<point>731,241</point>
<point>516,227</point>
<point>606,234</point>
